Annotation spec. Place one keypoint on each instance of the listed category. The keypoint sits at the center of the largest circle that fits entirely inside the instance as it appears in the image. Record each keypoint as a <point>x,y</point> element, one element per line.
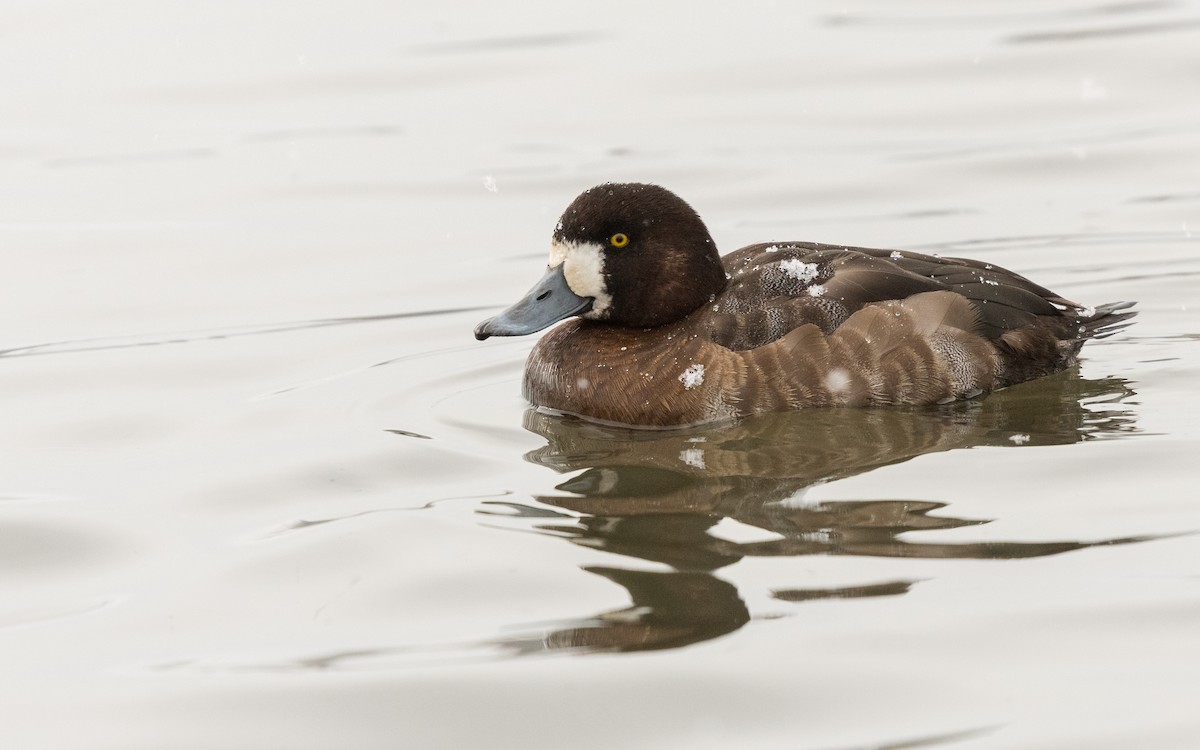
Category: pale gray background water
<point>243,244</point>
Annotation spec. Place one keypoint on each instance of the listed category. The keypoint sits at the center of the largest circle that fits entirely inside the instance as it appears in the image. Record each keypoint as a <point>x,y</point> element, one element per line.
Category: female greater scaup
<point>670,333</point>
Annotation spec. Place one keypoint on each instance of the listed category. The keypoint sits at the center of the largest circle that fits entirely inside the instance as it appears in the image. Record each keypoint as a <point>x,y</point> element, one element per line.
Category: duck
<point>656,329</point>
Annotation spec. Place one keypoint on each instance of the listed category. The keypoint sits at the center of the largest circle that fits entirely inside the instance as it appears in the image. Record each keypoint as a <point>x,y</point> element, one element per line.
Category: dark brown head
<point>625,253</point>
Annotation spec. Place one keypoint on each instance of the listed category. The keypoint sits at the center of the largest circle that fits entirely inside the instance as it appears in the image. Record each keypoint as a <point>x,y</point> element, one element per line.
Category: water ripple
<point>185,337</point>
<point>1108,32</point>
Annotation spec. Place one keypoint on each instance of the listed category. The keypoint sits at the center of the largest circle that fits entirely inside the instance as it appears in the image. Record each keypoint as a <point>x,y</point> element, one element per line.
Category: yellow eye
<point>620,239</point>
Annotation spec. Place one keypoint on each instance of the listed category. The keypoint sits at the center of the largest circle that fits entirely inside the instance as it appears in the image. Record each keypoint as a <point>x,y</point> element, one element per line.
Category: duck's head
<point>626,254</point>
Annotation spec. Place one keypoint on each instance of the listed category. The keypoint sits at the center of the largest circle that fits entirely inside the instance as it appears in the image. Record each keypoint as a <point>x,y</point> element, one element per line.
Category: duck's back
<point>774,288</point>
<point>889,327</point>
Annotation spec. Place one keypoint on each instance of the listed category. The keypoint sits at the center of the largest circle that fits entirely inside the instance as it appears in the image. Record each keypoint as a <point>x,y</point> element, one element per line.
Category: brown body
<point>801,325</point>
<point>670,333</point>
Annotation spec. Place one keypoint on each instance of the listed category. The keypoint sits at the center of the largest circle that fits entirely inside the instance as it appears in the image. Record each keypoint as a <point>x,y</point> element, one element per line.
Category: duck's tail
<point>1103,321</point>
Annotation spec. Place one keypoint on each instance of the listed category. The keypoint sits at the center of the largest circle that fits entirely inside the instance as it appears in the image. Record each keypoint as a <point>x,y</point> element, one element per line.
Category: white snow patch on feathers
<point>799,270</point>
<point>692,376</point>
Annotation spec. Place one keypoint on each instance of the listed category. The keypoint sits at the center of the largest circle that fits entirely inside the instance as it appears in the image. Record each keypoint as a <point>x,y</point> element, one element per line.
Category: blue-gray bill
<point>549,301</point>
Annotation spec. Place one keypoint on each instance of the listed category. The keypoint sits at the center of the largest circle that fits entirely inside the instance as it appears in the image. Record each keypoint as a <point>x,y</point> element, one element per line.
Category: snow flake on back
<point>799,270</point>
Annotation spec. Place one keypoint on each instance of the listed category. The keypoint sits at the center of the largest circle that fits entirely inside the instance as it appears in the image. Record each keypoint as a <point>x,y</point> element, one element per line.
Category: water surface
<point>262,488</point>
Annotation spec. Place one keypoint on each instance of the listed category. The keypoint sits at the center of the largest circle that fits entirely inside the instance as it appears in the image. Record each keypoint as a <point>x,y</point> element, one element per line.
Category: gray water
<point>261,487</point>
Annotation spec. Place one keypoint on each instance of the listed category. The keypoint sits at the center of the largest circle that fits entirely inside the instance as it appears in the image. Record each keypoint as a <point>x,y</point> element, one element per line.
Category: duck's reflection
<point>656,496</point>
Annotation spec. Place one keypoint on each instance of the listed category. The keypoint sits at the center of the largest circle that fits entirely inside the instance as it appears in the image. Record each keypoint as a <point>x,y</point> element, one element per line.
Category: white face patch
<point>583,268</point>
